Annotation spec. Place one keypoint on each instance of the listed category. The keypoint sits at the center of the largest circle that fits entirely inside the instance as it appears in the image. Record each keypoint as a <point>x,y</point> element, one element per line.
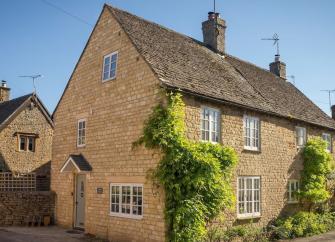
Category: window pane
<point>125,206</point>
<point>106,75</point>
<point>107,60</point>
<point>114,57</point>
<point>106,68</point>
<point>328,139</point>
<point>112,73</point>
<point>301,136</point>
<point>137,200</point>
<point>22,143</point>
<point>115,199</point>
<point>113,66</point>
<point>31,144</point>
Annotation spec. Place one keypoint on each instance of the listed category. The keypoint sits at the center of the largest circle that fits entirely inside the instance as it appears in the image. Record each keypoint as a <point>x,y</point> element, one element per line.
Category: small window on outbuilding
<point>27,142</point>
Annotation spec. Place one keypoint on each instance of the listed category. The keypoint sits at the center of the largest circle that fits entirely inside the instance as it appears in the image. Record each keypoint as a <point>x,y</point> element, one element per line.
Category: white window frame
<point>110,65</point>
<point>329,141</point>
<point>211,126</point>
<point>251,147</point>
<point>78,132</point>
<point>297,128</point>
<point>253,214</point>
<point>120,214</point>
<point>290,198</point>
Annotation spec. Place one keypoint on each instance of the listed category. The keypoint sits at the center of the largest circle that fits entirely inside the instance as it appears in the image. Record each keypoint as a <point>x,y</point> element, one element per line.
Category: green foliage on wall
<point>317,165</point>
<point>196,176</point>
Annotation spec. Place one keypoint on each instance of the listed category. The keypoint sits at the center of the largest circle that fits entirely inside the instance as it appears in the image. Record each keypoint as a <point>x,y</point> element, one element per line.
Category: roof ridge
<point>293,86</point>
<point>254,65</point>
<point>15,99</point>
<point>156,24</point>
<point>188,37</point>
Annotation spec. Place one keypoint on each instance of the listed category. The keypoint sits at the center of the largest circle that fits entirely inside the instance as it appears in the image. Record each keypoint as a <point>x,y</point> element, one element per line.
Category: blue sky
<point>38,38</point>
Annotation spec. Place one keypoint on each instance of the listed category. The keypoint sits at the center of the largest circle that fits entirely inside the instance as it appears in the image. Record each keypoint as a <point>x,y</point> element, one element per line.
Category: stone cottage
<point>26,131</point>
<point>126,66</point>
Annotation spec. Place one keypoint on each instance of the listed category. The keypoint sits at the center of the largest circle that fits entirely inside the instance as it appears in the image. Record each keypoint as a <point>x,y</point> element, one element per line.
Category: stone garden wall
<point>26,208</point>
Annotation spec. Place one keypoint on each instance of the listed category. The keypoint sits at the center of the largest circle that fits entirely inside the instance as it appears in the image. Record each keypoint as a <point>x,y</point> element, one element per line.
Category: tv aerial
<point>33,77</point>
<point>329,96</point>
<point>292,77</point>
<point>275,39</point>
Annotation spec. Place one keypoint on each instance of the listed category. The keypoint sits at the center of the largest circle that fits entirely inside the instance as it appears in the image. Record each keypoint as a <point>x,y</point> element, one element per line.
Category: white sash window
<point>249,197</point>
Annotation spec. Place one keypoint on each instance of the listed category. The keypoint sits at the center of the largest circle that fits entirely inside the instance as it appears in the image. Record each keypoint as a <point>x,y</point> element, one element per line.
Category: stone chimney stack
<point>4,91</point>
<point>333,111</point>
<point>213,31</point>
<point>278,67</point>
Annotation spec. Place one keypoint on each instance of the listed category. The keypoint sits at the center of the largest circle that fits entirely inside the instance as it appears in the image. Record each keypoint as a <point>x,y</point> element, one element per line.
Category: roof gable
<point>10,109</point>
<point>77,163</point>
<point>185,64</point>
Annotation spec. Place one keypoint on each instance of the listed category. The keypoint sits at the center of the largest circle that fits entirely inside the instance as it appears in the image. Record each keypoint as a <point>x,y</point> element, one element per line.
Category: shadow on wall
<point>42,174</point>
<point>43,177</point>
<point>3,164</point>
<point>294,171</point>
<point>287,209</point>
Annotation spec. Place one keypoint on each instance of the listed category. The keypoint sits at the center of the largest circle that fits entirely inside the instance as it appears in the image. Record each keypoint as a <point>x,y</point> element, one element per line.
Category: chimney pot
<point>213,31</point>
<point>333,111</point>
<point>3,83</point>
<point>4,91</point>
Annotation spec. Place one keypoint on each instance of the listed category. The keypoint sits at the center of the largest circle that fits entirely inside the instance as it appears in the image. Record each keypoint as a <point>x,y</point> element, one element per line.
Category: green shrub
<point>244,233</point>
<point>317,165</point>
<point>196,176</point>
<point>304,224</point>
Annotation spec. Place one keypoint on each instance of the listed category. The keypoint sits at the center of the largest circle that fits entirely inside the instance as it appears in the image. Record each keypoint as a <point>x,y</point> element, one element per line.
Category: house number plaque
<point>100,190</point>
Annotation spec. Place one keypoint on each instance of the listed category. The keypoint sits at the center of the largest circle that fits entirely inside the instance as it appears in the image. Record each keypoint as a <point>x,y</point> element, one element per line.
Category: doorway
<point>80,201</point>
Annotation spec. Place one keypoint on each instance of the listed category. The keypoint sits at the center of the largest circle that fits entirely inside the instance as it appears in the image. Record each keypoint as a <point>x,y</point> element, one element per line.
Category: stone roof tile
<point>7,108</point>
<point>184,63</point>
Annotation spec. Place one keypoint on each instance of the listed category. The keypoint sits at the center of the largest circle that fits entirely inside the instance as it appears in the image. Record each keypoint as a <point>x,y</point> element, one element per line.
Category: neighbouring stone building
<point>127,64</point>
<point>26,131</point>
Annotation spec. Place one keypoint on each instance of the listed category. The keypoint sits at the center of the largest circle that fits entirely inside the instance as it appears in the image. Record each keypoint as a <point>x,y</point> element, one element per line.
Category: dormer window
<point>109,67</point>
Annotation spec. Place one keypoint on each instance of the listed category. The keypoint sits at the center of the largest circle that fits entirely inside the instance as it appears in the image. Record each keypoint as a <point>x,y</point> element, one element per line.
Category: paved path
<point>38,234</point>
<point>327,237</point>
